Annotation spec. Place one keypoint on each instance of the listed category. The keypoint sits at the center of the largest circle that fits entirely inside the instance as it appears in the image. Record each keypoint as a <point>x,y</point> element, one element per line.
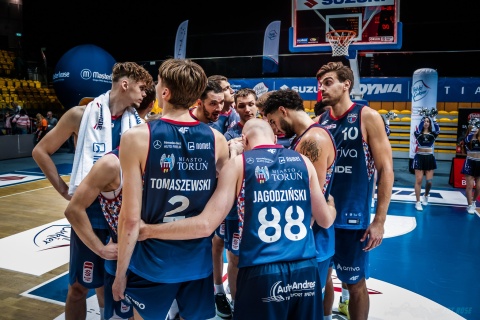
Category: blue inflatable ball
<point>83,71</point>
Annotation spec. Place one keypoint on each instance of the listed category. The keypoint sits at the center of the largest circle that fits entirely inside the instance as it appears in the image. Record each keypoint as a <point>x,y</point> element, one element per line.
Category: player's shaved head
<point>259,131</point>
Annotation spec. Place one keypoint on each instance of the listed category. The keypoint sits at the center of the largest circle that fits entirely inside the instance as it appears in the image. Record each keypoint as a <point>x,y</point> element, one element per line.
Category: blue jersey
<point>324,238</point>
<point>227,120</point>
<point>94,214</point>
<point>285,142</point>
<point>354,169</point>
<point>274,208</point>
<point>179,178</point>
<point>234,132</point>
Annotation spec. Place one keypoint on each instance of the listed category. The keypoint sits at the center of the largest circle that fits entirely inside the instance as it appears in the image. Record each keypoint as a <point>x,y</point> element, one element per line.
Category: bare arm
<point>376,137</point>
<point>323,213</point>
<point>215,211</point>
<point>69,124</point>
<point>134,149</point>
<point>101,176</point>
<point>317,146</point>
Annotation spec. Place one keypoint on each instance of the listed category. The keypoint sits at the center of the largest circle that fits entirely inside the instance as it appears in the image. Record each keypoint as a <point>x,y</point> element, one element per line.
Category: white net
<point>340,40</point>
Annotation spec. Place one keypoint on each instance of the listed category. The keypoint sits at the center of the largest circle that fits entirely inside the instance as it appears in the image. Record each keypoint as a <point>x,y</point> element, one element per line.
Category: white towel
<point>95,136</point>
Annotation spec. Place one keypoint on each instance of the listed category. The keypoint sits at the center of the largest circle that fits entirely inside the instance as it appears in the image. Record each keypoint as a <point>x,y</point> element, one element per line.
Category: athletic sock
<point>219,288</point>
<point>102,312</point>
<point>327,317</point>
<point>173,310</point>
<point>345,295</point>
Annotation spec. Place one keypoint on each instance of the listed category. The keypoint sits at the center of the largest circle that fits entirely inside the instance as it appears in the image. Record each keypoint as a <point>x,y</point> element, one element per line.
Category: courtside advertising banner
<point>424,95</point>
<point>271,42</point>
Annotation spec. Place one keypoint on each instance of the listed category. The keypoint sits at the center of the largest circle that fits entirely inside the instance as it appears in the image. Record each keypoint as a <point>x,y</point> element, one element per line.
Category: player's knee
<point>358,287</point>
<point>77,291</point>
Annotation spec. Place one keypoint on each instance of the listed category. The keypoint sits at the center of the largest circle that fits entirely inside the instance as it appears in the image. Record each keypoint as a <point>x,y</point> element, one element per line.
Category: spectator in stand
<point>51,121</point>
<point>8,123</point>
<point>22,122</point>
<point>42,125</point>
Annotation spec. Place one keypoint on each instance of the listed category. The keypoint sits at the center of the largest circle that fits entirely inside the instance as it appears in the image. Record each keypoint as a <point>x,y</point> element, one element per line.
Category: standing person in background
<point>281,139</point>
<point>228,116</point>
<point>424,161</point>
<point>471,166</point>
<point>245,105</point>
<point>22,122</point>
<point>318,109</point>
<point>41,124</point>
<point>8,123</point>
<point>97,128</point>
<point>51,120</point>
<point>148,102</point>
<point>273,254</point>
<point>362,145</point>
<point>209,105</point>
<point>208,110</point>
<point>285,110</point>
<point>178,157</point>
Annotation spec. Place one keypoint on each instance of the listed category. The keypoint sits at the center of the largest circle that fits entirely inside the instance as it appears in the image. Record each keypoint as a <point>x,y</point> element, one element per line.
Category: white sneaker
<point>418,206</point>
<point>471,208</point>
<point>425,200</point>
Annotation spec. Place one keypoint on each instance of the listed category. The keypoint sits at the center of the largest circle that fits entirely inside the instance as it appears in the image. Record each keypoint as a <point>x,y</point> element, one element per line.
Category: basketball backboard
<point>376,23</point>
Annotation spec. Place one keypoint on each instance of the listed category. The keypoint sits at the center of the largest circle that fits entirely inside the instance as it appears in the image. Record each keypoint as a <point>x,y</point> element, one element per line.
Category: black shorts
<point>424,162</point>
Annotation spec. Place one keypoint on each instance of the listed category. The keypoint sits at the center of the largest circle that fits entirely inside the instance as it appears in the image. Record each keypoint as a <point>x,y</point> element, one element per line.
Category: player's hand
<point>142,235</point>
<point>374,234</point>
<point>331,201</point>
<point>118,287</point>
<point>110,251</point>
<point>235,146</point>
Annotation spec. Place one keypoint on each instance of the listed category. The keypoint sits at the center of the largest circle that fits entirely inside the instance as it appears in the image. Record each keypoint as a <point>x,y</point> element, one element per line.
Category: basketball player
<point>362,146</point>
<point>129,81</point>
<point>227,119</point>
<point>104,181</point>
<point>178,157</point>
<point>209,109</point>
<point>285,111</point>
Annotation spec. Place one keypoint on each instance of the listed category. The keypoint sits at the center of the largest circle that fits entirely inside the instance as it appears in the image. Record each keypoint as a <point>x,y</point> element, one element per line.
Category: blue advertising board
<point>373,89</point>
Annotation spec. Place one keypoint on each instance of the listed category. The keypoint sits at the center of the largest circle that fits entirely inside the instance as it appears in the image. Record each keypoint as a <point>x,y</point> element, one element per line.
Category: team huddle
<point>154,209</point>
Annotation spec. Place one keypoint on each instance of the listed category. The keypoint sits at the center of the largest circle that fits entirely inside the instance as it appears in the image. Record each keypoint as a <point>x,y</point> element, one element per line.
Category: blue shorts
<point>122,308</point>
<point>85,266</point>
<point>220,231</point>
<point>284,290</point>
<point>196,298</point>
<point>323,267</point>
<point>232,236</point>
<point>350,261</point>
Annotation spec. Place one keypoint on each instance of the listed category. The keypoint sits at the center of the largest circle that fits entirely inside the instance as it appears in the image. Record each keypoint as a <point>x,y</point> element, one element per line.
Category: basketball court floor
<point>424,269</point>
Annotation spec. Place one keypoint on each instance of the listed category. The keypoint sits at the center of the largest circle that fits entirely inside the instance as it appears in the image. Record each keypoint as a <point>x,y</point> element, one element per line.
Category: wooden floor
<point>23,207</point>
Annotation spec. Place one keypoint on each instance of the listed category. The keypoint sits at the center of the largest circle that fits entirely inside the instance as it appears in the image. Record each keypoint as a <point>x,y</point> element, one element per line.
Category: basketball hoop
<point>340,40</point>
